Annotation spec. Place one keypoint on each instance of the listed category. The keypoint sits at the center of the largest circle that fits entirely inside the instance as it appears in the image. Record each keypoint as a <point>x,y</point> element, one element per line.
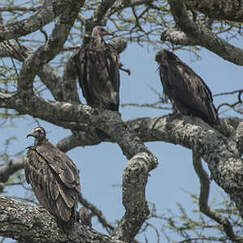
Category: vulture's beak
<point>31,134</point>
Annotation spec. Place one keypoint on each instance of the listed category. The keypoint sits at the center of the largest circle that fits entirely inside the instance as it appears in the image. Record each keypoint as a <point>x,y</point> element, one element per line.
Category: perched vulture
<point>98,71</point>
<point>186,90</point>
<point>54,179</point>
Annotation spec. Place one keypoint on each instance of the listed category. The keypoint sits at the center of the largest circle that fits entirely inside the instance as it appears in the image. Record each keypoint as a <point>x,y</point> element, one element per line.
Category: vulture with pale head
<point>54,179</point>
<point>186,90</point>
<point>98,71</point>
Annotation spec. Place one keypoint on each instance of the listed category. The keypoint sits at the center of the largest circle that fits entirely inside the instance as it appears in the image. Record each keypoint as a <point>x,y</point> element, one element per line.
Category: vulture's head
<point>38,133</point>
<point>164,57</point>
<point>99,32</point>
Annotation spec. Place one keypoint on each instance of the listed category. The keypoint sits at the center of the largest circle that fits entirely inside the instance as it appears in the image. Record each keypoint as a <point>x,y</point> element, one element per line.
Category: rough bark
<point>198,34</point>
<point>231,10</point>
<point>42,17</point>
<point>27,223</point>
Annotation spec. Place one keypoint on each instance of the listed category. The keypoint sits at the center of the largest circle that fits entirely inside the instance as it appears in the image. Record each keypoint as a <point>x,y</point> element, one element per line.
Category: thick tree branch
<point>82,138</point>
<point>101,11</point>
<point>18,8</point>
<point>204,195</point>
<point>34,224</point>
<point>239,137</point>
<point>134,182</point>
<point>52,47</point>
<point>220,153</point>
<point>135,175</point>
<point>52,80</point>
<point>39,19</point>
<point>47,74</point>
<point>119,5</point>
<point>177,37</point>
<point>201,35</point>
<point>69,82</point>
<point>231,10</point>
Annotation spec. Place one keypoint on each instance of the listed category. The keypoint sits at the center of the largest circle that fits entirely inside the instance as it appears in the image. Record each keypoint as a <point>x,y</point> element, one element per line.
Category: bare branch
<point>82,138</point>
<point>14,50</point>
<point>134,183</point>
<point>101,11</point>
<point>52,47</point>
<point>239,137</point>
<point>202,36</point>
<point>47,74</point>
<point>96,212</point>
<point>231,10</point>
<point>10,168</point>
<point>18,8</point>
<point>41,18</point>
<point>69,83</point>
<point>177,37</point>
<point>204,195</point>
<point>34,224</point>
<point>52,80</point>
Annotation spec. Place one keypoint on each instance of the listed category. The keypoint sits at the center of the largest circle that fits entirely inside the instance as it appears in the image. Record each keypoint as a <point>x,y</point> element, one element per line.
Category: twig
<point>97,213</point>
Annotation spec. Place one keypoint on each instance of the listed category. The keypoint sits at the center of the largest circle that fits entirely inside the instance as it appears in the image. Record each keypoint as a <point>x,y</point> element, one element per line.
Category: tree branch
<point>231,10</point>
<point>34,224</point>
<point>82,138</point>
<point>18,8</point>
<point>239,137</point>
<point>10,168</point>
<point>200,35</point>
<point>134,182</point>
<point>52,47</point>
<point>96,212</point>
<point>47,74</point>
<point>177,37</point>
<point>101,11</point>
<point>39,19</point>
<point>69,82</point>
<point>204,195</point>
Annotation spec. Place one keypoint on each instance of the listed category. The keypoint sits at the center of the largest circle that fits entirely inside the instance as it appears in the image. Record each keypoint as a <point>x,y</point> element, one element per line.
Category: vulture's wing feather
<point>80,59</point>
<point>54,180</point>
<point>189,91</point>
<point>61,164</point>
<point>98,75</point>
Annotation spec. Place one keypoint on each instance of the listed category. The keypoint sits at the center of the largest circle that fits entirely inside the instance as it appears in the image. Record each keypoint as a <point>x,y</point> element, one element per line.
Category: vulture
<point>54,179</point>
<point>186,90</point>
<point>98,66</point>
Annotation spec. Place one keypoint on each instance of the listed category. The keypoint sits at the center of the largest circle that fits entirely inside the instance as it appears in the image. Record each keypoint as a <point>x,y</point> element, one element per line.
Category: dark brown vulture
<point>98,71</point>
<point>186,90</point>
<point>54,179</point>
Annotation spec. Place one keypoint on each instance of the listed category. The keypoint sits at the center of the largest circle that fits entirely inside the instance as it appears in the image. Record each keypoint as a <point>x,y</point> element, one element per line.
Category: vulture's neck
<point>40,141</point>
<point>98,41</point>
